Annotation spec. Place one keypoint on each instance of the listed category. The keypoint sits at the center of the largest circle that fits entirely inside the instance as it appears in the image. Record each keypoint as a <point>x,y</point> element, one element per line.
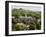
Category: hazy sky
<point>33,8</point>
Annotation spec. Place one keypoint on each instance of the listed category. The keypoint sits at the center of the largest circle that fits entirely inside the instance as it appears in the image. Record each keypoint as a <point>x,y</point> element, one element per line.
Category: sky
<point>33,8</point>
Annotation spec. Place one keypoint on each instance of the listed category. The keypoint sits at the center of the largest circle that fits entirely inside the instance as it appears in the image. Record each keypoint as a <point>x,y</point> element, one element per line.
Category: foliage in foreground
<point>25,20</point>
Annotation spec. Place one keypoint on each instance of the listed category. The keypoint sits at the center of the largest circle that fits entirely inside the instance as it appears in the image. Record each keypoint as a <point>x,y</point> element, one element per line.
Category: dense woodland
<point>25,20</point>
